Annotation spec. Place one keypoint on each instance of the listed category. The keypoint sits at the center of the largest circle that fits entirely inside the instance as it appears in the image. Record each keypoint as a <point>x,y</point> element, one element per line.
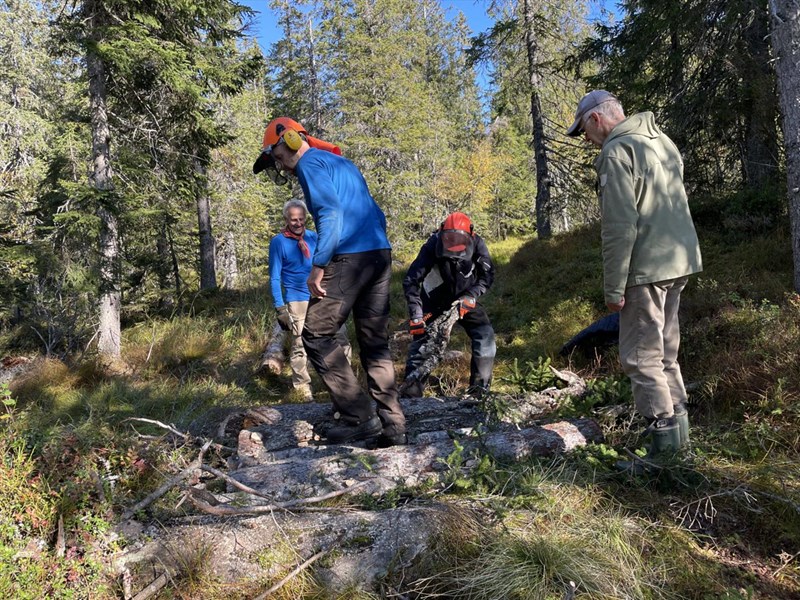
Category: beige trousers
<point>297,354</point>
<point>649,338</point>
<point>298,360</point>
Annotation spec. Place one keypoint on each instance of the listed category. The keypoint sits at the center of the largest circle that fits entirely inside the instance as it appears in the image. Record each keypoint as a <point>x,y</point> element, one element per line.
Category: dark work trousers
<point>359,283</point>
<point>479,329</point>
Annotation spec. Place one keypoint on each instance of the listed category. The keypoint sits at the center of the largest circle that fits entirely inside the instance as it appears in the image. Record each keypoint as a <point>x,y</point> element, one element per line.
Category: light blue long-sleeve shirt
<point>288,268</point>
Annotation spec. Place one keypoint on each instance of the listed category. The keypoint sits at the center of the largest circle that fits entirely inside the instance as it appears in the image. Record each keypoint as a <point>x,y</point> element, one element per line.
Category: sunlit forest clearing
<point>135,304</point>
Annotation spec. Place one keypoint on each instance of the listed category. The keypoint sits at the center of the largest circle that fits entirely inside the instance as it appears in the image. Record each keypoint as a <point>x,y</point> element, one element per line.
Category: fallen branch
<point>434,348</point>
<point>233,482</point>
<point>170,428</point>
<point>225,510</point>
<point>195,464</point>
<point>154,587</point>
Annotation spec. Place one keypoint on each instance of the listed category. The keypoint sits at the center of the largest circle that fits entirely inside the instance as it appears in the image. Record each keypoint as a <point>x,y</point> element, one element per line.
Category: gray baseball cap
<point>587,103</point>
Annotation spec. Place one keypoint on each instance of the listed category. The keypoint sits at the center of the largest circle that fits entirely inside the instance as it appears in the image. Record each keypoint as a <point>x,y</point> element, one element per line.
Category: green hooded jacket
<point>647,229</point>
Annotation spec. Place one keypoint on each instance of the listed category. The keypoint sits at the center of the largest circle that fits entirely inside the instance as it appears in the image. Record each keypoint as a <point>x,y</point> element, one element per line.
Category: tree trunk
<point>316,108</point>
<point>228,263</point>
<point>164,266</point>
<point>273,358</point>
<point>543,180</point>
<point>786,48</point>
<point>760,160</point>
<point>108,343</point>
<point>208,275</point>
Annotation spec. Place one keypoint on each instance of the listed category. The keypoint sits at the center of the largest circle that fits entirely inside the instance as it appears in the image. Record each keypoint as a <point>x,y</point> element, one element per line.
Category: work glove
<point>284,319</point>
<point>466,304</point>
<point>416,326</point>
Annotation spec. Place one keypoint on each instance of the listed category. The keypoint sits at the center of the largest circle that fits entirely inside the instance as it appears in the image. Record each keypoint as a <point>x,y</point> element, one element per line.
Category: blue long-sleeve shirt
<point>347,218</point>
<point>289,267</point>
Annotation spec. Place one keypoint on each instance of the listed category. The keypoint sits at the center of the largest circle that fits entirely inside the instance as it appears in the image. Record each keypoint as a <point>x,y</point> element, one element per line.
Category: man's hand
<point>466,304</point>
<point>314,282</point>
<point>416,326</point>
<point>616,306</point>
<point>284,318</point>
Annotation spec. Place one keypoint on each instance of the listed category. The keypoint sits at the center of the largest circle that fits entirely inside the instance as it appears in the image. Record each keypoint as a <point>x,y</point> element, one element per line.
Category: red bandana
<point>301,243</point>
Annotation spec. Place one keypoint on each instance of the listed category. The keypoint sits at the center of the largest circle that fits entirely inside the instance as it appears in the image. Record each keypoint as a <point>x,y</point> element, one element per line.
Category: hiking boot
<point>387,441</point>
<point>414,389</point>
<point>351,432</point>
<point>682,416</point>
<point>476,393</point>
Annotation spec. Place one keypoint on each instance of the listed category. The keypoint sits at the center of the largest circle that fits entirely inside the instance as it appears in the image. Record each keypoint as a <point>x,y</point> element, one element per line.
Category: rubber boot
<point>665,438</point>
<point>682,415</point>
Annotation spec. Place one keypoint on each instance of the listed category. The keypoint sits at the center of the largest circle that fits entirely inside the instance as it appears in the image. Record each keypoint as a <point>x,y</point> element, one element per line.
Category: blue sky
<point>266,32</point>
<point>474,10</point>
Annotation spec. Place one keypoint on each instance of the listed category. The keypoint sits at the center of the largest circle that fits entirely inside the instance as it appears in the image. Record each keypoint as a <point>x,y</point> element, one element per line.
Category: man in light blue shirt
<point>290,254</point>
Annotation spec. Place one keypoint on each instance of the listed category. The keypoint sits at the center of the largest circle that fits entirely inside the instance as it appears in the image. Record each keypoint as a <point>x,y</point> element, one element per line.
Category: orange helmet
<point>274,134</point>
<point>277,128</point>
<point>455,237</point>
<point>457,221</point>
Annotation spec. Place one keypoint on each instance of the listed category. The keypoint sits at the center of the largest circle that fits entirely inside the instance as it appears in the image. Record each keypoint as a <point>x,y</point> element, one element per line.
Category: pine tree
<point>153,66</point>
<point>704,68</point>
<point>536,101</point>
<point>786,44</point>
<point>404,108</point>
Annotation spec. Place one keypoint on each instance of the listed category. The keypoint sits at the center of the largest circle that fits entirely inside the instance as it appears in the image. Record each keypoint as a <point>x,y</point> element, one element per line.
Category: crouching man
<point>453,266</point>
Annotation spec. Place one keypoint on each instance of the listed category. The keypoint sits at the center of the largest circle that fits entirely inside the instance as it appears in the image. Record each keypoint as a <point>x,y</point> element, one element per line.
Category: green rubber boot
<point>682,415</point>
<point>665,436</point>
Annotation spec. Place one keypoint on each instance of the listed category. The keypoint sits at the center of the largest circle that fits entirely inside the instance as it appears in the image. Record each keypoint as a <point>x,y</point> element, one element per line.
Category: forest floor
<point>720,521</point>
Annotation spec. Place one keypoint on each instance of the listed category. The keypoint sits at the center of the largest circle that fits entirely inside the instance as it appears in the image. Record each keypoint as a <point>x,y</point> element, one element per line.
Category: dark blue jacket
<point>432,283</point>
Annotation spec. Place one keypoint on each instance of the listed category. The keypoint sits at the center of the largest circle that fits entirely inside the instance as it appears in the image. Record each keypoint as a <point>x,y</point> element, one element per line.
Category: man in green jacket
<point>649,248</point>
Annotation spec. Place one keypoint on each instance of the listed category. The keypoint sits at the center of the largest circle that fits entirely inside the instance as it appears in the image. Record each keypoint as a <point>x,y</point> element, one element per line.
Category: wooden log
<point>314,470</point>
<point>273,358</point>
<point>285,427</point>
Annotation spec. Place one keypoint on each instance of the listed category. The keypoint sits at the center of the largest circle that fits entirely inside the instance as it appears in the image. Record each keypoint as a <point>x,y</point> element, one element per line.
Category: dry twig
<point>170,428</point>
<point>225,510</point>
<point>195,464</point>
<point>299,568</point>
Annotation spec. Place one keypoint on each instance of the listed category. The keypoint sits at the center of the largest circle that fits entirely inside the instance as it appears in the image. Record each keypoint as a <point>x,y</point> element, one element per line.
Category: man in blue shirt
<point>290,255</point>
<point>351,271</point>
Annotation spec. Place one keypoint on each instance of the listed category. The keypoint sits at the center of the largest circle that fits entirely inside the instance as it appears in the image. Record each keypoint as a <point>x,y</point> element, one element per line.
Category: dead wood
<point>187,472</point>
<point>299,568</point>
<point>153,588</point>
<point>61,545</point>
<point>226,510</point>
<point>286,428</point>
<point>273,358</point>
<point>170,428</point>
<point>434,348</point>
<point>431,457</point>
